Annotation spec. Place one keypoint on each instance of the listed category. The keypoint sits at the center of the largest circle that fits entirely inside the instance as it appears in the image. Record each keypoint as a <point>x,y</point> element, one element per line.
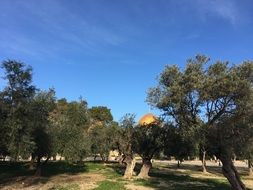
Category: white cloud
<point>225,9</point>
<point>63,29</point>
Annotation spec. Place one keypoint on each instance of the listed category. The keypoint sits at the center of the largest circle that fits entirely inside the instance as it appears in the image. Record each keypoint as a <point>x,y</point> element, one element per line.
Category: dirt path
<point>137,187</point>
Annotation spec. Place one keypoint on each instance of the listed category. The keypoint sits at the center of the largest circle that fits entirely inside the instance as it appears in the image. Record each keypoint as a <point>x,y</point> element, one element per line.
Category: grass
<point>163,177</point>
<point>18,173</point>
<point>148,183</point>
<point>11,169</point>
<point>110,185</point>
<point>162,181</point>
<point>95,166</point>
<point>182,182</point>
<point>56,168</point>
<point>66,187</point>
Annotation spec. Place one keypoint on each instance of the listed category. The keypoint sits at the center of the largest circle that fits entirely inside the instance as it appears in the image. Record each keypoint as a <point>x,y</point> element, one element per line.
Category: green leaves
<point>102,131</point>
<point>16,98</point>
<point>148,140</point>
<point>207,101</point>
<point>41,106</point>
<point>70,122</point>
<point>101,114</point>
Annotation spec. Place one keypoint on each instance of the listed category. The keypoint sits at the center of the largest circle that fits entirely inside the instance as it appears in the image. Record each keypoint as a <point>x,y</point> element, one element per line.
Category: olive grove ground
<point>99,176</point>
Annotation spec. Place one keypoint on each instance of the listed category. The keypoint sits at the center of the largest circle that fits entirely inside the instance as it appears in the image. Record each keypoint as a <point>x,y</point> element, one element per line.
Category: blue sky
<point>110,52</point>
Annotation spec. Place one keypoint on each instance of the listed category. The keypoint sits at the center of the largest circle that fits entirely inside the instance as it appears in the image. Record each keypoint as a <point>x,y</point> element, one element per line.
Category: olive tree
<point>178,95</point>
<point>125,143</point>
<point>148,141</point>
<point>178,146</point>
<point>16,98</point>
<point>41,106</point>
<point>220,92</point>
<point>70,122</point>
<point>100,133</point>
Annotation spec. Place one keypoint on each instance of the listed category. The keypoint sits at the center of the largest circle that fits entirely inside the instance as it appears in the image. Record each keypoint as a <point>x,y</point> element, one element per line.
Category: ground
<point>98,176</point>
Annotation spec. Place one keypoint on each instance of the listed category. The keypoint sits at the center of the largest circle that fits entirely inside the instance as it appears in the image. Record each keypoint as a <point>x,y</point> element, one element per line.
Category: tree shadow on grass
<point>215,170</point>
<point>9,170</point>
<point>56,168</point>
<point>17,172</point>
<point>183,182</point>
<point>163,179</point>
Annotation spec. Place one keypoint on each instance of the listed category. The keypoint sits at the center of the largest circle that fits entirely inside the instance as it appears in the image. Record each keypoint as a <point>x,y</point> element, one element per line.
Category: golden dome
<point>147,119</point>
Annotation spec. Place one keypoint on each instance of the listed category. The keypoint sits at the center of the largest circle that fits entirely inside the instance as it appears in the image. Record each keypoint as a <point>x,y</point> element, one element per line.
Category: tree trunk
<point>121,159</point>
<point>146,166</point>
<point>178,164</point>
<point>234,158</point>
<point>31,166</point>
<point>130,164</point>
<point>250,168</point>
<point>38,168</point>
<point>16,157</point>
<point>230,172</point>
<point>203,160</point>
<point>215,159</point>
<point>46,160</point>
<point>102,157</point>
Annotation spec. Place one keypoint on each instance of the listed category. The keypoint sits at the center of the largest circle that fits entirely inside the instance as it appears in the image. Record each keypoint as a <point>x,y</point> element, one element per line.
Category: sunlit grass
<point>162,177</point>
<point>66,187</point>
<point>110,185</point>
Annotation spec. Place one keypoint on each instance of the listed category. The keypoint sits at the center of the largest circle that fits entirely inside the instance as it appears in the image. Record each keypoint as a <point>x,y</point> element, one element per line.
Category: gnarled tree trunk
<point>178,164</point>
<point>203,160</point>
<point>230,172</point>
<point>38,167</point>
<point>146,166</point>
<point>102,157</point>
<point>95,157</point>
<point>130,164</point>
<point>31,166</point>
<point>250,168</point>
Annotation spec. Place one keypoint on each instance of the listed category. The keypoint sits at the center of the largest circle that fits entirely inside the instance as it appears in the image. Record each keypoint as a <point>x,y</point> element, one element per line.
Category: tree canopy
<point>206,110</point>
<point>208,96</point>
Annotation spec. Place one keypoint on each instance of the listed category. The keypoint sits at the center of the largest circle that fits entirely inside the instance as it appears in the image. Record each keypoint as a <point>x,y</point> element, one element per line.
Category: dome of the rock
<point>148,119</point>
